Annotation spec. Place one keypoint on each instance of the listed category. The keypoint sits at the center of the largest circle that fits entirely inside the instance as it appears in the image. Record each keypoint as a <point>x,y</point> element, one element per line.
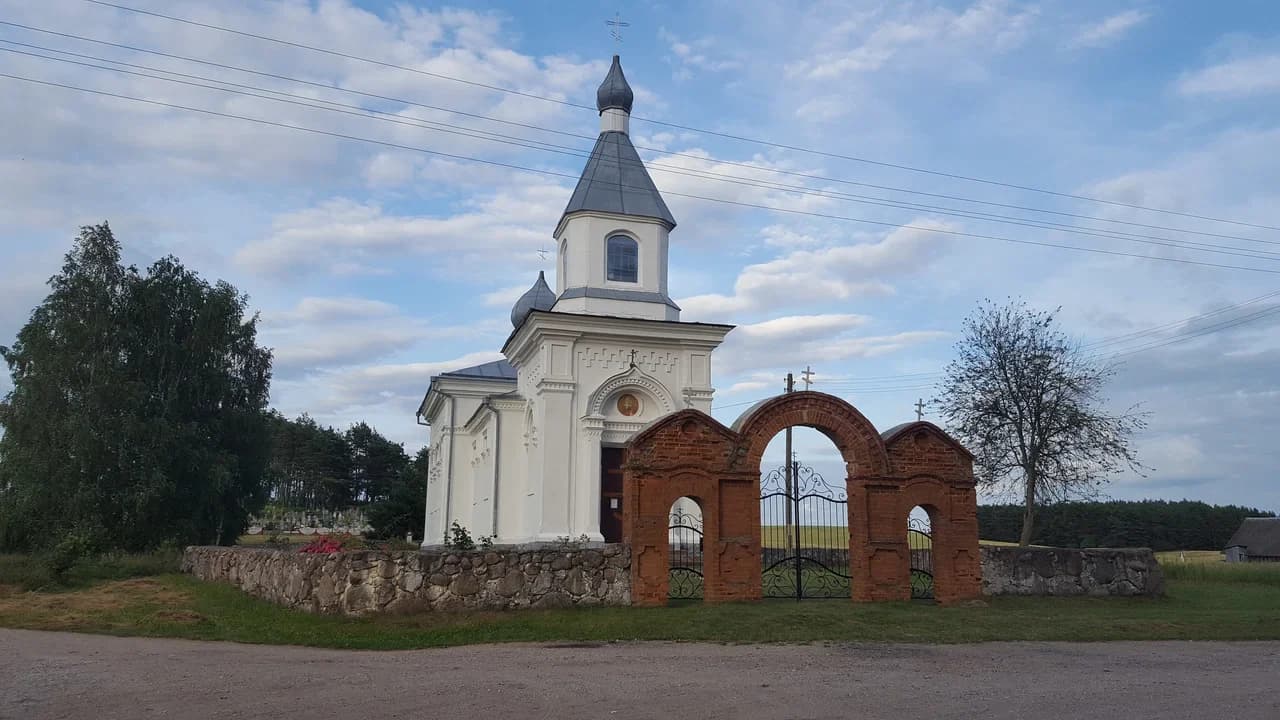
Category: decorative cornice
<point>556,386</point>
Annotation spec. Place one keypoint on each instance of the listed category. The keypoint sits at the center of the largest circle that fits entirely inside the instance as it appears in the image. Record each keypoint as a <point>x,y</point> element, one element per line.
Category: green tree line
<point>1157,524</point>
<point>138,417</point>
<point>316,467</point>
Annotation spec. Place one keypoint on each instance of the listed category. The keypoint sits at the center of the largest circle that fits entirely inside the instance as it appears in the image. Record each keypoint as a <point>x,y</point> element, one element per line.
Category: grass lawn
<point>1205,602</point>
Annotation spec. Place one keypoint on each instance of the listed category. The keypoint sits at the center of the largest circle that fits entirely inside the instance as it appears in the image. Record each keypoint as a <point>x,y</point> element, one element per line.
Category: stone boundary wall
<point>1070,571</point>
<point>362,582</point>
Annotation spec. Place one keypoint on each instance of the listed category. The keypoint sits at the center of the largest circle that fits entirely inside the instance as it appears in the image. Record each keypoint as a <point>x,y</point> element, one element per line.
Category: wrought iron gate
<point>804,535</point>
<point>920,547</point>
<point>684,542</point>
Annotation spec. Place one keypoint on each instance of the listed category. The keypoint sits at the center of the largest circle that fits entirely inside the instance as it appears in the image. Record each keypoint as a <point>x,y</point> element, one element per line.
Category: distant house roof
<point>496,370</point>
<point>1260,537</point>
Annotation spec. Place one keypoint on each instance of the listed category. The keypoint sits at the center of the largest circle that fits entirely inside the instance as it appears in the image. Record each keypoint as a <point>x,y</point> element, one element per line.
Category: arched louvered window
<point>621,259</point>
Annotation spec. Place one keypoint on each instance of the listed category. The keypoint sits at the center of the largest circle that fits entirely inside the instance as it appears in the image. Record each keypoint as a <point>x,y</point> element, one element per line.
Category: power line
<point>869,199</point>
<point>1217,327</point>
<point>737,203</point>
<point>487,136</point>
<point>883,380</point>
<point>1159,328</point>
<point>740,138</point>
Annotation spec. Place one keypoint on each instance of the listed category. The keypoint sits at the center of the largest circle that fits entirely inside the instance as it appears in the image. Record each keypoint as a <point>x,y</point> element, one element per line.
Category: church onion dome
<point>538,297</point>
<point>614,92</point>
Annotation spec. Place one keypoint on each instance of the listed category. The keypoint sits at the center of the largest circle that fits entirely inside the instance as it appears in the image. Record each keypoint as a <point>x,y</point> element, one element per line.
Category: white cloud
<point>1256,75</point>
<point>327,333</point>
<point>1109,29</point>
<point>345,235</point>
<point>832,273</point>
<point>399,385</point>
<point>799,340</point>
<point>695,55</point>
<point>504,297</point>
<point>848,48</point>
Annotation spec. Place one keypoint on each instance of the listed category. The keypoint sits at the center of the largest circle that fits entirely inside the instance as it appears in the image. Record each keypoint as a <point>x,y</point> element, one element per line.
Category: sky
<point>380,249</point>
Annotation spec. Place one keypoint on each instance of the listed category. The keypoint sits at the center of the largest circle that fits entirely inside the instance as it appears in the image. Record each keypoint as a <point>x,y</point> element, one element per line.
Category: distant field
<point>1224,573</point>
<point>811,536</point>
<point>1190,556</point>
<point>773,536</point>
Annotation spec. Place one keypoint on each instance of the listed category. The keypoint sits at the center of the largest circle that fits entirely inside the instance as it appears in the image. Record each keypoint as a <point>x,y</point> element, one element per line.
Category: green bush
<point>73,546</point>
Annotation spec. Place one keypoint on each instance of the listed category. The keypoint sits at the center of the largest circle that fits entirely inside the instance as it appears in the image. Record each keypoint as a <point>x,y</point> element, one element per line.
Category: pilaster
<point>587,480</point>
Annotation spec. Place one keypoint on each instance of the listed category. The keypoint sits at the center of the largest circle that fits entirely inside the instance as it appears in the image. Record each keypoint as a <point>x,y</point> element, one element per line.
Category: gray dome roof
<point>538,297</point>
<point>614,92</point>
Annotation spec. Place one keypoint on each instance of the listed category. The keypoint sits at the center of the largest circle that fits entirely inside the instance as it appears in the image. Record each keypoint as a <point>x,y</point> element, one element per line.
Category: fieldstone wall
<point>1070,571</point>
<point>360,582</point>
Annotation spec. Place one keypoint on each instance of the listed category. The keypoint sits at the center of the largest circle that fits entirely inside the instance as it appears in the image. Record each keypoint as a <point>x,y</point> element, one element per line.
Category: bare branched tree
<point>1028,403</point>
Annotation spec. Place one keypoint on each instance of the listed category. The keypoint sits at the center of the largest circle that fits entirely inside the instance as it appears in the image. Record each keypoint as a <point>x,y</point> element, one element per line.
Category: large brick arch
<point>688,453</point>
<point>853,434</point>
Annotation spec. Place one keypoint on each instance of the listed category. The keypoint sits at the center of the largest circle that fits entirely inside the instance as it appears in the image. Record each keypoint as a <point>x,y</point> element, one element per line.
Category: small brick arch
<point>689,453</point>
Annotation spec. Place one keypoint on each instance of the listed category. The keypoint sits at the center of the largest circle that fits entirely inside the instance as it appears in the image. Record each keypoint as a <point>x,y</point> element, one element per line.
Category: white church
<point>529,448</point>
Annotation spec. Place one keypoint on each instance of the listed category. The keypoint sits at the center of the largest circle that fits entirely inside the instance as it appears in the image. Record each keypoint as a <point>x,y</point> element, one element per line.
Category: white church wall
<point>512,464</point>
<point>588,364</point>
<point>479,522</point>
<point>451,485</point>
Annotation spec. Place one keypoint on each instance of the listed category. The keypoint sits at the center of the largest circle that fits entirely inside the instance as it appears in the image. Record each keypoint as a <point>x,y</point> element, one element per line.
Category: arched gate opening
<point>804,526</point>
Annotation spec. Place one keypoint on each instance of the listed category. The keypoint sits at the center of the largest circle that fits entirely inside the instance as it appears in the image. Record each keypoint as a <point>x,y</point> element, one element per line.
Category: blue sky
<point>375,267</point>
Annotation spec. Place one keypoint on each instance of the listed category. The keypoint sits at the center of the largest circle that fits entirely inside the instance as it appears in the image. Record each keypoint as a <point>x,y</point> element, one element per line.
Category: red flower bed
<point>323,545</point>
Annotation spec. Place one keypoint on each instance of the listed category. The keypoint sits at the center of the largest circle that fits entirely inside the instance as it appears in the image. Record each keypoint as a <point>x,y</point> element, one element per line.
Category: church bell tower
<point>613,236</point>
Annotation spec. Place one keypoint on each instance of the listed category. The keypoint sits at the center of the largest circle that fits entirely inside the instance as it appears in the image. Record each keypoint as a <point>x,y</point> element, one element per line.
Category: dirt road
<point>62,675</point>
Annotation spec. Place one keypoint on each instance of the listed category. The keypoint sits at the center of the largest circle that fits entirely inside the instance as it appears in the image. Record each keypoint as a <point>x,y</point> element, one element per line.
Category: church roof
<point>615,181</point>
<point>615,92</point>
<point>496,370</point>
<point>538,297</point>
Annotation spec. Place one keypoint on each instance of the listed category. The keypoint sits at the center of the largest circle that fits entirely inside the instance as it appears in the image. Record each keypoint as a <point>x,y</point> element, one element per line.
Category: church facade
<point>530,448</point>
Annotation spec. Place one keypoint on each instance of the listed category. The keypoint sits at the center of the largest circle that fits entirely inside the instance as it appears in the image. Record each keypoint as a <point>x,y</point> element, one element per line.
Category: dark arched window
<point>621,259</point>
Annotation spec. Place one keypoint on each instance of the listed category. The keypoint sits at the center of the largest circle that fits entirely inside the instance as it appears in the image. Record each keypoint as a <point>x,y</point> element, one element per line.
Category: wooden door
<point>611,493</point>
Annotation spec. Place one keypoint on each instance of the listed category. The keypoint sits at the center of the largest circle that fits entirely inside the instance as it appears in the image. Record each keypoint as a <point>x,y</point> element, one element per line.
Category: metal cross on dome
<point>616,25</point>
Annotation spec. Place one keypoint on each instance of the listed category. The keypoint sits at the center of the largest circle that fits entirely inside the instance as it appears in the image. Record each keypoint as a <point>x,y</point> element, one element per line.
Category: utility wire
<point>1217,327</point>
<point>740,138</point>
<point>1160,328</point>
<point>725,201</point>
<point>487,118</point>
<point>1144,345</point>
<point>487,136</point>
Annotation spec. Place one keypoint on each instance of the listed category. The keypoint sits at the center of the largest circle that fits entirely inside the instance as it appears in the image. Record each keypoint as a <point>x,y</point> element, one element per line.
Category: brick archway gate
<point>690,454</point>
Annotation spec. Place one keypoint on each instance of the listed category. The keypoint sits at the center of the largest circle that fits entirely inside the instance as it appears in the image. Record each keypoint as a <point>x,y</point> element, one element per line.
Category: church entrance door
<point>611,493</point>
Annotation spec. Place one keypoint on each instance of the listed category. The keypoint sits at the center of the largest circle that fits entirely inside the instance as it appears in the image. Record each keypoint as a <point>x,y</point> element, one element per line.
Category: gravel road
<point>65,675</point>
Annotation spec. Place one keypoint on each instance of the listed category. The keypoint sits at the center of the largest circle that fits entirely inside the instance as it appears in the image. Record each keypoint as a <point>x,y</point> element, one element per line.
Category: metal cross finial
<point>807,376</point>
<point>919,409</point>
<point>616,25</point>
<point>542,254</point>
